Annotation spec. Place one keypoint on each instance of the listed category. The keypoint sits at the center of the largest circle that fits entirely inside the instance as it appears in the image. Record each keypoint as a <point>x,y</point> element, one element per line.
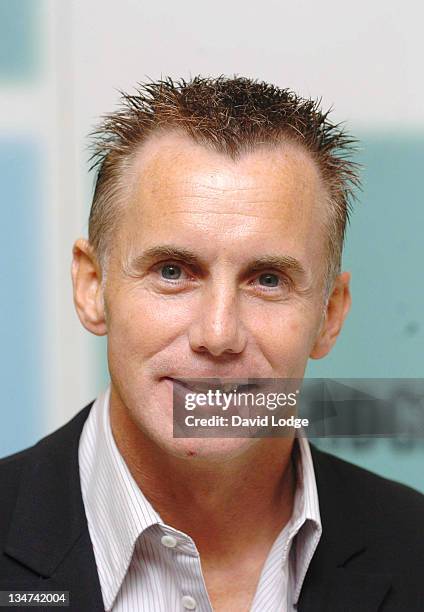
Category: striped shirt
<point>145,565</point>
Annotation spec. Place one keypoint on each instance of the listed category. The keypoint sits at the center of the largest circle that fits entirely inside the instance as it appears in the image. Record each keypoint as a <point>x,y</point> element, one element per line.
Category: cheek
<point>142,325</point>
<point>288,337</point>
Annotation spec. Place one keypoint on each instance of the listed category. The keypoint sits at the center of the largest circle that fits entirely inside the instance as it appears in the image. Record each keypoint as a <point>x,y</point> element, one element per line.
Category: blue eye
<point>171,272</point>
<point>269,280</point>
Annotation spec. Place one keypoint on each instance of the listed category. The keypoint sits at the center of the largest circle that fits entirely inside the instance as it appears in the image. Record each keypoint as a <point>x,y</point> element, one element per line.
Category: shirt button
<point>169,541</point>
<point>188,602</point>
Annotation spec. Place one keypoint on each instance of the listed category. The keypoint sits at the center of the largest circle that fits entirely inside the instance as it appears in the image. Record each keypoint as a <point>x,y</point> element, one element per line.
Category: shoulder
<point>53,441</point>
<point>46,450</point>
<point>10,472</point>
<point>365,482</point>
<point>387,511</point>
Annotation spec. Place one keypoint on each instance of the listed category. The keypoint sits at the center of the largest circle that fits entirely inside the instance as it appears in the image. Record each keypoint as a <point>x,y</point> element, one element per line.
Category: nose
<point>218,329</point>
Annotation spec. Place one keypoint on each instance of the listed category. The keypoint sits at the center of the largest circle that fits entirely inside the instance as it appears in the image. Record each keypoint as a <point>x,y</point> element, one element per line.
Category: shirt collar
<point>118,512</point>
<point>305,521</point>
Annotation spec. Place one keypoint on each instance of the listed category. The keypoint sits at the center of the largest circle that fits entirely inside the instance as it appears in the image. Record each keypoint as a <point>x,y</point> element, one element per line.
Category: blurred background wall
<point>61,66</point>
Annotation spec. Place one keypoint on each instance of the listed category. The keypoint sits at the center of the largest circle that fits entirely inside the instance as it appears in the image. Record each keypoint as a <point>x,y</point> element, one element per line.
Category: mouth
<point>227,386</point>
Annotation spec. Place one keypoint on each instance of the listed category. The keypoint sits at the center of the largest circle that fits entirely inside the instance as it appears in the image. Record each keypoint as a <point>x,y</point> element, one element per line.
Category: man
<point>214,251</point>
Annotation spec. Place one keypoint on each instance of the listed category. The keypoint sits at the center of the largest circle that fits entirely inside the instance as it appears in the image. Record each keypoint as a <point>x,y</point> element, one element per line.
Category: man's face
<point>216,270</point>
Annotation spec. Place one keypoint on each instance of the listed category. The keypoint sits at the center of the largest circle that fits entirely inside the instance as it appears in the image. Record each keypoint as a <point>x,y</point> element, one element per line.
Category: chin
<point>155,420</point>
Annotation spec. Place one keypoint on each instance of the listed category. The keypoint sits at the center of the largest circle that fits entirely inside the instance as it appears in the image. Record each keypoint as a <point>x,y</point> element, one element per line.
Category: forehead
<point>268,197</point>
<point>172,162</point>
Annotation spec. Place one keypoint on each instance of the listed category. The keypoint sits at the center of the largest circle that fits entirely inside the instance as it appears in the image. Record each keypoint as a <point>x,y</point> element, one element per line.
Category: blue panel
<point>384,333</point>
<point>21,296</point>
<point>19,39</point>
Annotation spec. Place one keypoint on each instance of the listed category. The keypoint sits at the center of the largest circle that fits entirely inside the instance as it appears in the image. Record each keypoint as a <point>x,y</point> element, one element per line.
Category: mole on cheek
<point>190,453</point>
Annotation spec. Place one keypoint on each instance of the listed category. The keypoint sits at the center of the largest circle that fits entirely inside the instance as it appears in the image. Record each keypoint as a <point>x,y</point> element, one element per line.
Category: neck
<point>222,505</point>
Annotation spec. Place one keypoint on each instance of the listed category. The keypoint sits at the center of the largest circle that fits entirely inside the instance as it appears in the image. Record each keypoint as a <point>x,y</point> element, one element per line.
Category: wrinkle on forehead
<point>173,164</point>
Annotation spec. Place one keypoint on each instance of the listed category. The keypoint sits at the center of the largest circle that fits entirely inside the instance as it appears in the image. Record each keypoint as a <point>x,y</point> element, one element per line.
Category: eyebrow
<point>284,263</point>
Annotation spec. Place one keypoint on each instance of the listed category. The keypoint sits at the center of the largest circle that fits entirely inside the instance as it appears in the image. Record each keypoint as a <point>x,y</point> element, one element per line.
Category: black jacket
<point>370,557</point>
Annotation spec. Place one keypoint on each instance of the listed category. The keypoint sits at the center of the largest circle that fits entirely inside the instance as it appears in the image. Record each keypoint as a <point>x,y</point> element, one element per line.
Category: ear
<point>88,292</point>
<point>336,311</point>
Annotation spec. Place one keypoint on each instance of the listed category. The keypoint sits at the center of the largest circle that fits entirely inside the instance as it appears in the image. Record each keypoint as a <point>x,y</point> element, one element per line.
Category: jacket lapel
<point>345,591</point>
<point>331,583</point>
<point>49,533</point>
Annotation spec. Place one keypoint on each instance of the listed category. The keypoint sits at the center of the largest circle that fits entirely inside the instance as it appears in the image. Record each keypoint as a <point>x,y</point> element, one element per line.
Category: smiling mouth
<point>203,387</point>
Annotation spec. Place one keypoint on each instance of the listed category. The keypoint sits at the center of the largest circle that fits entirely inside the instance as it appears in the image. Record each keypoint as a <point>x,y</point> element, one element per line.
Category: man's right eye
<point>170,271</point>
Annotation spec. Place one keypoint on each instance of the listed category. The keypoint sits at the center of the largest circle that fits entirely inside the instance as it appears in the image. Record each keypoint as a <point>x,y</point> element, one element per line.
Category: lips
<point>197,386</point>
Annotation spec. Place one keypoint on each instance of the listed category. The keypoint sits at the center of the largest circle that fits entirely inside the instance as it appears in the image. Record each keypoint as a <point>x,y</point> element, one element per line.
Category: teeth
<point>199,388</point>
<point>226,388</point>
<point>230,387</point>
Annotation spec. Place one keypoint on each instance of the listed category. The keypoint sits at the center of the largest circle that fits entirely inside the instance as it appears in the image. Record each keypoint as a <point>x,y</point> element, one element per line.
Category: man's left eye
<point>269,280</point>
